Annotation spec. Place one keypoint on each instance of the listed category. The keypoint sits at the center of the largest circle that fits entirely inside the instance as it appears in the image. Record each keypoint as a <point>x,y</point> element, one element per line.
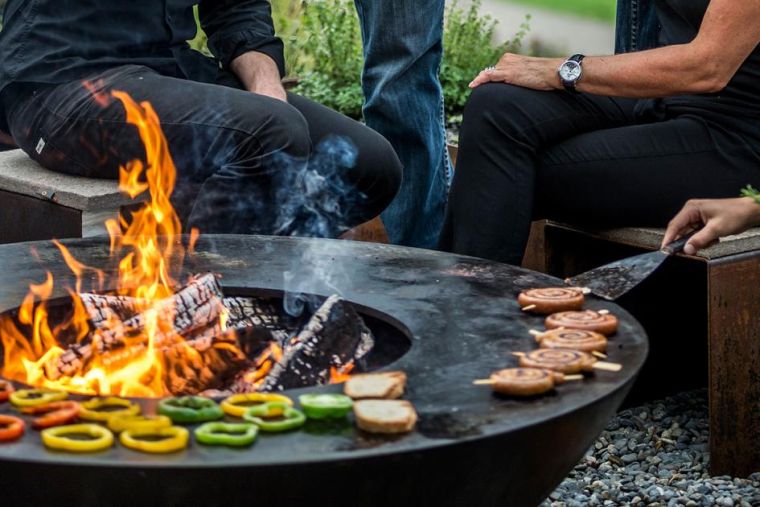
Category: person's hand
<point>259,74</point>
<point>717,217</point>
<point>525,71</point>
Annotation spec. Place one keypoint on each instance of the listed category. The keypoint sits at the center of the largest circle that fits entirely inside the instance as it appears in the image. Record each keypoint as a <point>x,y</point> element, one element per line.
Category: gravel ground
<point>654,455</point>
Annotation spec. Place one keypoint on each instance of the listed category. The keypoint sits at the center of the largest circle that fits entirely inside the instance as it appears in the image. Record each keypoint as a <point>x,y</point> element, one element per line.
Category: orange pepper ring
<point>56,413</point>
<point>13,430</point>
<point>6,388</point>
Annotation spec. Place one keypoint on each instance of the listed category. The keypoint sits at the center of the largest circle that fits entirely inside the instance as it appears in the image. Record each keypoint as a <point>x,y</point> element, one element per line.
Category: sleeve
<point>235,27</point>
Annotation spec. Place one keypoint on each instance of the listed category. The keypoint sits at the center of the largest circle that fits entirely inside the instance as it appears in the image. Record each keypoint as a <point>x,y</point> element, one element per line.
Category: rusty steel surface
<point>470,447</point>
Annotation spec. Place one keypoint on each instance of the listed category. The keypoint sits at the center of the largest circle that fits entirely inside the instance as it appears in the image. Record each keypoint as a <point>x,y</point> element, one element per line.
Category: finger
<point>704,238</point>
<point>683,222</point>
<point>482,78</point>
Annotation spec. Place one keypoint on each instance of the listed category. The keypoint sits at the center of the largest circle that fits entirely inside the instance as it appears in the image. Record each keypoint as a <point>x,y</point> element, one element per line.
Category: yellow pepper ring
<point>237,404</point>
<point>164,440</point>
<point>119,423</point>
<point>34,397</point>
<point>61,438</point>
<point>92,410</point>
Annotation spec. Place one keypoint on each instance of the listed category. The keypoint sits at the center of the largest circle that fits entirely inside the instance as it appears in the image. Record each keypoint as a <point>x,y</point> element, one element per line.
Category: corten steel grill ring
<point>470,447</point>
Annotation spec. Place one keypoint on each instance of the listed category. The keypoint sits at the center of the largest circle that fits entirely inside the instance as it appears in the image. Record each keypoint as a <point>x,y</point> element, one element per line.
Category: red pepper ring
<point>6,388</point>
<point>11,428</point>
<point>57,413</point>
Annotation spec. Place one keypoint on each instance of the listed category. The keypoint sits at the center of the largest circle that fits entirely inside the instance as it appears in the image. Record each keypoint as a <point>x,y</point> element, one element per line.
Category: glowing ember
<point>148,248</point>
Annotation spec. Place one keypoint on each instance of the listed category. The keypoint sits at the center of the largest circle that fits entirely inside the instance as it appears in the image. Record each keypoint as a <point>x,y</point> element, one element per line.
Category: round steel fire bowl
<point>470,448</point>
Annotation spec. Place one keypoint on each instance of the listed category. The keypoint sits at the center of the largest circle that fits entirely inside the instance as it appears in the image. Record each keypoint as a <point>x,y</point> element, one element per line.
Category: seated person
<point>241,144</point>
<point>645,132</point>
<point>715,218</point>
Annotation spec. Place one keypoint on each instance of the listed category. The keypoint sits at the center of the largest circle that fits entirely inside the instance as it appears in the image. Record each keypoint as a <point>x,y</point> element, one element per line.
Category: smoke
<point>315,201</point>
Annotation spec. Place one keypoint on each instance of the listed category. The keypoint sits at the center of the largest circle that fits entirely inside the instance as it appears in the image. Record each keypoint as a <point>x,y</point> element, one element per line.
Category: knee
<point>503,107</point>
<point>283,129</point>
<point>379,172</point>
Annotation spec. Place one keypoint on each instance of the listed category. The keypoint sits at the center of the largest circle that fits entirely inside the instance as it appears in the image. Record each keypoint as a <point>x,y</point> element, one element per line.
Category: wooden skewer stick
<point>528,308</point>
<point>584,290</point>
<point>489,381</point>
<point>518,354</point>
<point>535,332</point>
<point>602,365</point>
<point>603,312</point>
<point>599,354</point>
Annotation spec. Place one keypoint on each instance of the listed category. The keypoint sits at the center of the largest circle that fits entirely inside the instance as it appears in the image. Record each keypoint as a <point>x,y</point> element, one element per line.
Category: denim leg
<point>404,102</point>
<point>637,26</point>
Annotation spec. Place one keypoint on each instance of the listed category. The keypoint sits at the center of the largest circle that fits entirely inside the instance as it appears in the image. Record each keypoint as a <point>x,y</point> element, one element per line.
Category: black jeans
<point>584,159</point>
<point>246,163</point>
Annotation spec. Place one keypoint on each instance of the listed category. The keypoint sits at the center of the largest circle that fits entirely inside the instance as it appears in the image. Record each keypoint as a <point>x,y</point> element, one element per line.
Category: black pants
<point>246,163</point>
<point>584,159</point>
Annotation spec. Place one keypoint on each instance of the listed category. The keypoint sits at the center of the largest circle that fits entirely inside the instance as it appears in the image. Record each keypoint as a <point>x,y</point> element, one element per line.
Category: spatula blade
<point>613,280</point>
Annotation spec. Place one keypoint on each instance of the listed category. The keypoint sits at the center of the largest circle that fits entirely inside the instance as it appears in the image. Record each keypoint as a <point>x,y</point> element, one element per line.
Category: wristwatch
<point>570,72</point>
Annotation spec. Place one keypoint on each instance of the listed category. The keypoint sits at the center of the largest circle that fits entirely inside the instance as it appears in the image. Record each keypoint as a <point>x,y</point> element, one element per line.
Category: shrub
<point>468,48</point>
<point>326,54</point>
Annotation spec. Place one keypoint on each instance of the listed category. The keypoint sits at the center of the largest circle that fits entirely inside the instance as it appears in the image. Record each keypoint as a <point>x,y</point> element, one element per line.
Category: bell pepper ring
<point>156,441</point>
<point>34,397</point>
<point>68,438</point>
<point>190,409</point>
<point>119,423</point>
<point>11,428</point>
<point>102,409</point>
<point>237,404</point>
<point>229,434</point>
<point>275,416</point>
<point>6,389</point>
<point>325,406</point>
<point>56,413</point>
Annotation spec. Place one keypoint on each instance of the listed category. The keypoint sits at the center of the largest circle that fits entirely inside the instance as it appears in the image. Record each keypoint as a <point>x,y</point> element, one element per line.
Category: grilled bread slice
<point>387,385</point>
<point>385,416</point>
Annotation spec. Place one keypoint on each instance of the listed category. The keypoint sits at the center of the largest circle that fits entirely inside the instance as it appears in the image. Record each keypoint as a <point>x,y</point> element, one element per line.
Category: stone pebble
<point>655,455</point>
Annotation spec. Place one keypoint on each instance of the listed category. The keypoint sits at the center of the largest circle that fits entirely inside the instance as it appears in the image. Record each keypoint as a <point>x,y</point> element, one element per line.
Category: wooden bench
<point>37,204</point>
<point>702,314</point>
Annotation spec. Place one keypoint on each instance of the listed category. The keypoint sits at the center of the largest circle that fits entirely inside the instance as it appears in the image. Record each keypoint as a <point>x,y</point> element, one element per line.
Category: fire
<point>342,374</point>
<point>148,249</point>
<point>263,365</point>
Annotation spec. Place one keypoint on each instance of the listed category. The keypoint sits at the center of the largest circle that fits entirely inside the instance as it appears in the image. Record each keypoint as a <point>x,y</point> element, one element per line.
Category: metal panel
<point>24,218</point>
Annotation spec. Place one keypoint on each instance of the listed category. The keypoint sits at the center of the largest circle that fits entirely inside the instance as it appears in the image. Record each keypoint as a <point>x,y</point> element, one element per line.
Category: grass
<point>603,10</point>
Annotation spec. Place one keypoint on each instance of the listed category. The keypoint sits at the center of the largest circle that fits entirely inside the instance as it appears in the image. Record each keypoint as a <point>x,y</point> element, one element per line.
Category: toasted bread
<point>387,385</point>
<point>385,416</point>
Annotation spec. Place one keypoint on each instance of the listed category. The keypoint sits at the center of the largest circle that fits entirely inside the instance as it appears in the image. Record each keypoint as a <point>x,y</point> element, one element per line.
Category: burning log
<point>196,306</point>
<point>251,312</point>
<point>334,338</point>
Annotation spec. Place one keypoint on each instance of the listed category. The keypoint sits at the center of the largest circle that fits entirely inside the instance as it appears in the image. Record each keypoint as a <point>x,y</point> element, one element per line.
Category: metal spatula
<point>613,280</point>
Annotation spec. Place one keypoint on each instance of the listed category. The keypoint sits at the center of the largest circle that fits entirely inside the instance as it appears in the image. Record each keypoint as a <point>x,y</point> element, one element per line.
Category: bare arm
<point>259,74</point>
<point>730,31</point>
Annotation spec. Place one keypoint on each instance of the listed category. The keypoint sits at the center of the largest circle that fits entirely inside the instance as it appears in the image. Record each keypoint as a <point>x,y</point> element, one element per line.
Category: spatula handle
<point>677,246</point>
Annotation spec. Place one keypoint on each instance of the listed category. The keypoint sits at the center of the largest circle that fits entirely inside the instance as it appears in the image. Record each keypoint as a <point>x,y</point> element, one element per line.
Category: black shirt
<point>680,21</point>
<point>57,41</point>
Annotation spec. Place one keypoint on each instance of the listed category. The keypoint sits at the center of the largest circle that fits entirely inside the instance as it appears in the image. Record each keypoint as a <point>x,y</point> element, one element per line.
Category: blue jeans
<point>403,47</point>
<point>637,26</point>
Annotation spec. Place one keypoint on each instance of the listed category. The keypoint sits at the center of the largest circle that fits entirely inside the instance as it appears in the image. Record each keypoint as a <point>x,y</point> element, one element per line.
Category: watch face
<point>570,71</point>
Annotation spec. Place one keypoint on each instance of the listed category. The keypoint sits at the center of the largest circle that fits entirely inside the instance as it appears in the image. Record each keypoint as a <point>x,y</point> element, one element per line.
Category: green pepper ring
<point>190,409</point>
<point>258,415</point>
<point>34,397</point>
<point>230,434</point>
<point>326,405</point>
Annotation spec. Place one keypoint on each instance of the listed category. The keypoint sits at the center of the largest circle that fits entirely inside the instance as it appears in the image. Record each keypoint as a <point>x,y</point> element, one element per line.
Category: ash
<point>654,455</point>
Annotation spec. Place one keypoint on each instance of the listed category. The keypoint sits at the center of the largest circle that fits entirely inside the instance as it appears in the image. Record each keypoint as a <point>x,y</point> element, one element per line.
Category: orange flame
<point>147,247</point>
<point>342,374</point>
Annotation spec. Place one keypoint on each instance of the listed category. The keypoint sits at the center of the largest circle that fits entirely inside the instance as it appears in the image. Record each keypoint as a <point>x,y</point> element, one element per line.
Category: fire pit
<point>445,320</point>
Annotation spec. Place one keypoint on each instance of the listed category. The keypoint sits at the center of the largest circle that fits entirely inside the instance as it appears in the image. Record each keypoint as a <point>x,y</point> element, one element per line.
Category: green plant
<point>328,55</point>
<point>468,48</point>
